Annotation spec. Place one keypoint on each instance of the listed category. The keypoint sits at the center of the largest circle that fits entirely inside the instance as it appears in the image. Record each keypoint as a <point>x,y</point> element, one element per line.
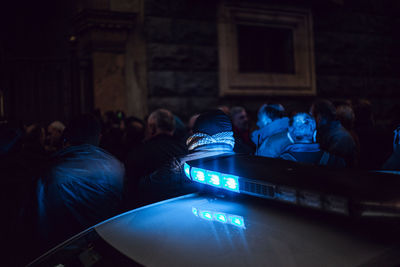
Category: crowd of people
<point>59,180</point>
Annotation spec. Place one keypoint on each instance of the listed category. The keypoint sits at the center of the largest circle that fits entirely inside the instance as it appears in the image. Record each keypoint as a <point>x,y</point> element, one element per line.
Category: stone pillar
<point>104,32</point>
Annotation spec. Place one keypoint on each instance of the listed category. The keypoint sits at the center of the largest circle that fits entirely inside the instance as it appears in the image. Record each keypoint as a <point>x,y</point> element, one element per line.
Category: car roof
<point>191,231</point>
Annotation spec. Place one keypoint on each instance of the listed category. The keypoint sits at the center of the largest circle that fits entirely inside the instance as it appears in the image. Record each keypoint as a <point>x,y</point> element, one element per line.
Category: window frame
<point>232,82</point>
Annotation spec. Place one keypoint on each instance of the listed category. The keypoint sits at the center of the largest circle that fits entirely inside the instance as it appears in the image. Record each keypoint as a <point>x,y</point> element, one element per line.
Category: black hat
<point>212,122</point>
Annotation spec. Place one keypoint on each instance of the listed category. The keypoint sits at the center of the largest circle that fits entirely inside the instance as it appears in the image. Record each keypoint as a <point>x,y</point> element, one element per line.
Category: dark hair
<point>272,111</point>
<point>212,122</point>
<point>325,109</point>
<point>345,114</point>
<point>84,129</point>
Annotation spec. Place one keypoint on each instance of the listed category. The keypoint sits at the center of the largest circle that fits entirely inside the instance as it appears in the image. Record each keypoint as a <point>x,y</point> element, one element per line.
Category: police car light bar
<point>347,192</point>
<point>249,187</point>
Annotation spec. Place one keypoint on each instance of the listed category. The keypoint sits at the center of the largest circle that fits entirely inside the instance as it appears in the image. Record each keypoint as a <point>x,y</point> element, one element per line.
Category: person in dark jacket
<point>302,134</point>
<point>81,187</point>
<point>212,136</point>
<point>150,177</point>
<point>240,123</point>
<point>332,136</point>
<point>271,121</point>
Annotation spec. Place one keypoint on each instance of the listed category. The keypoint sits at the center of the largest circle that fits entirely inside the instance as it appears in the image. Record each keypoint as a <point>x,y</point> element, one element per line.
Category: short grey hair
<point>57,125</point>
<point>302,127</point>
<point>164,120</point>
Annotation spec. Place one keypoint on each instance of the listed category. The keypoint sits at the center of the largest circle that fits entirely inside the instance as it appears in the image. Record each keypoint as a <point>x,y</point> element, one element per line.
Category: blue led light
<point>220,217</point>
<point>236,220</point>
<point>206,215</point>
<point>230,182</point>
<point>198,175</point>
<point>195,211</point>
<point>213,178</point>
<point>186,169</point>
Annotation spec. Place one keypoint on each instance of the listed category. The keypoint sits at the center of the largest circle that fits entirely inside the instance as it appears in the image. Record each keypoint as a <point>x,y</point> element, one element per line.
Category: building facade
<point>188,56</point>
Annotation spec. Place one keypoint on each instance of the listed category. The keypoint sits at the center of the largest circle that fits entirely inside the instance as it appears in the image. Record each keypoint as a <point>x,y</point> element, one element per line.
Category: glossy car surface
<point>207,230</point>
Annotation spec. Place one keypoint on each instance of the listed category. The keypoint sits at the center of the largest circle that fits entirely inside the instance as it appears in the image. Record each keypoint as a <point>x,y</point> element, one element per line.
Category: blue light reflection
<point>195,211</point>
<point>220,217</point>
<point>207,215</point>
<point>236,220</point>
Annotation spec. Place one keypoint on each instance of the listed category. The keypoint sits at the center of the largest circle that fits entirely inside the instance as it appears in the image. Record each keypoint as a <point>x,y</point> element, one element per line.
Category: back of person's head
<point>302,128</point>
<point>212,122</point>
<point>345,115</point>
<point>161,121</point>
<point>323,109</point>
<point>212,127</point>
<point>84,129</point>
<point>268,113</point>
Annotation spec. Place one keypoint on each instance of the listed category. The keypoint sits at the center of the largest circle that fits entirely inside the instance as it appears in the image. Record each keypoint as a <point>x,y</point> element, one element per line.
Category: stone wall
<point>356,55</point>
<point>182,55</point>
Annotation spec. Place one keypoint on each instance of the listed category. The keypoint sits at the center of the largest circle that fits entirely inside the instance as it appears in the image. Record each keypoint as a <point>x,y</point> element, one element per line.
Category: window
<point>265,51</point>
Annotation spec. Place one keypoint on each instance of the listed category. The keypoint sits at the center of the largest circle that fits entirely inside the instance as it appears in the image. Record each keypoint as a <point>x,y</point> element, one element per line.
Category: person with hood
<point>271,121</point>
<point>212,136</point>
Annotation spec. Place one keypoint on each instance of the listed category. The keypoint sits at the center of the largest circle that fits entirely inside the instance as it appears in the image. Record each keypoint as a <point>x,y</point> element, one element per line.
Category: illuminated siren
<point>261,189</point>
<point>304,185</point>
<point>216,179</point>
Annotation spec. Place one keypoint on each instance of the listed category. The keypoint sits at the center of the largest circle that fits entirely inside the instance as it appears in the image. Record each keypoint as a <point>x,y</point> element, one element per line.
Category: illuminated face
<point>241,121</point>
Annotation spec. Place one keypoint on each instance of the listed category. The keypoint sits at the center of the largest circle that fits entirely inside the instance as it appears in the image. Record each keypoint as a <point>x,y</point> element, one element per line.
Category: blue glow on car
<point>198,175</point>
<point>220,217</point>
<point>230,182</point>
<point>195,211</point>
<point>207,215</point>
<point>186,169</point>
<point>213,178</point>
<point>236,220</point>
